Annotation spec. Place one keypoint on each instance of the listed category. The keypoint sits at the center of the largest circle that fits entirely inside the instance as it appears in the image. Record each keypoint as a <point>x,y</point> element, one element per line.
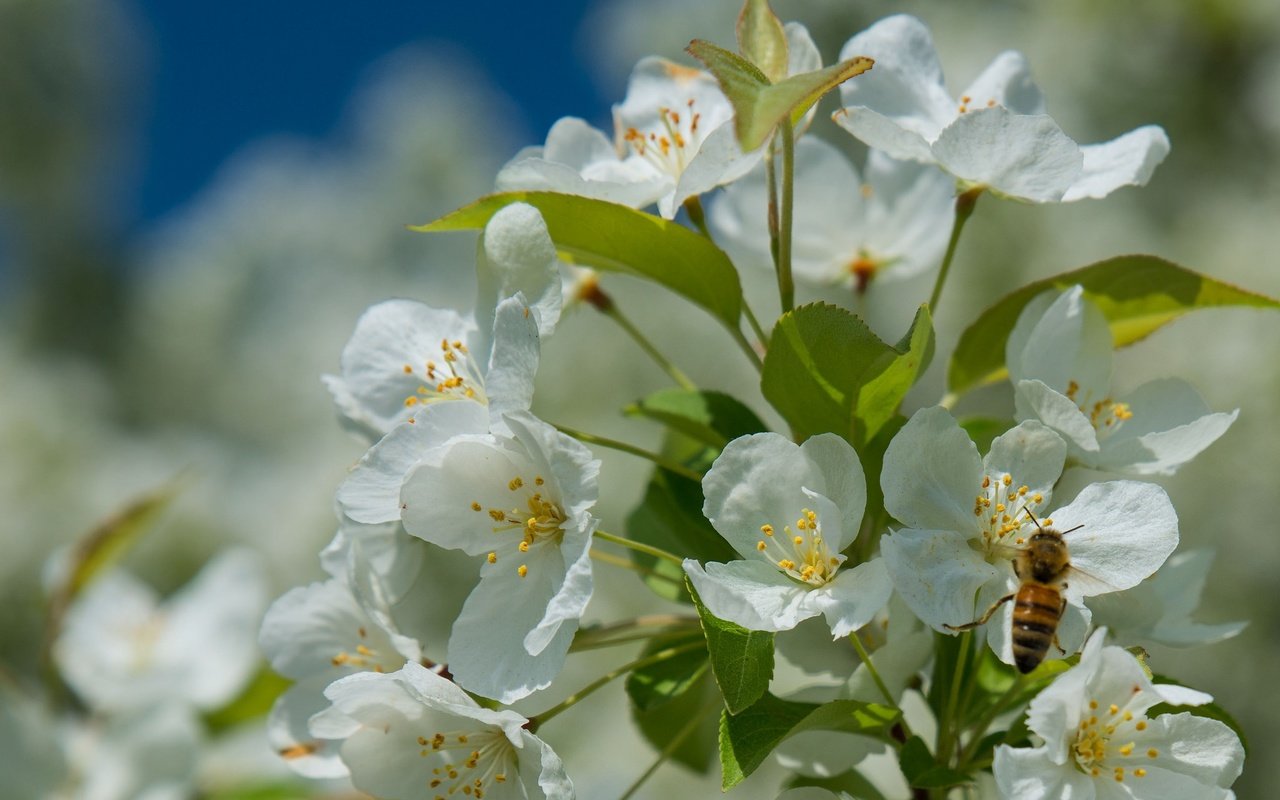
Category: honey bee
<point>1042,566</point>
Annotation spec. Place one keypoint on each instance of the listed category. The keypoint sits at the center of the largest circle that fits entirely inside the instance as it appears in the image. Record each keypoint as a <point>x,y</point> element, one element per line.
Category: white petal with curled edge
<point>932,473</point>
<point>513,364</point>
<point>719,160</point>
<point>881,132</point>
<point>1005,82</point>
<point>571,141</point>
<point>517,256</point>
<point>853,598</point>
<point>1127,160</point>
<point>541,771</point>
<point>289,735</point>
<point>752,594</point>
<point>1068,341</point>
<point>371,492</point>
<point>1031,453</point>
<point>937,574</point>
<point>1022,156</point>
<point>906,86</point>
<point>1170,426</point>
<point>1035,400</point>
<point>1199,748</point>
<point>1126,531</point>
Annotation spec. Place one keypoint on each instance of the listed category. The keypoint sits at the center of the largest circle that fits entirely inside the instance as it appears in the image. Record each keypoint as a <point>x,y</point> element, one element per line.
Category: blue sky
<point>225,72</point>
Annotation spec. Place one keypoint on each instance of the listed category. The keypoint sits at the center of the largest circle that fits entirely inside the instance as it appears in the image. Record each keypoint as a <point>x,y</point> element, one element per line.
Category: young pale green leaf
<point>712,418</point>
<point>668,726</point>
<point>760,106</point>
<point>761,39</point>
<point>253,703</point>
<point>922,771</point>
<point>984,430</point>
<point>654,685</point>
<point>670,517</point>
<point>748,737</point>
<point>1137,294</point>
<point>827,372</point>
<point>741,659</point>
<point>615,238</point>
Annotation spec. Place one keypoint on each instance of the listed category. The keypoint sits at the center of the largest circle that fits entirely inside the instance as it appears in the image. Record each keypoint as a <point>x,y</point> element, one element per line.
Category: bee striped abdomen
<point>1036,611</point>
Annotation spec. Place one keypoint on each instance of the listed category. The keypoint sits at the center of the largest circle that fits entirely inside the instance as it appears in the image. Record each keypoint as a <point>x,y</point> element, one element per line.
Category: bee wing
<point>1080,584</point>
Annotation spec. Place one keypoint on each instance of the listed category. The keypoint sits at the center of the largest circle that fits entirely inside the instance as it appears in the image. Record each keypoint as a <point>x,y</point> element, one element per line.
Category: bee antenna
<point>1033,517</point>
<point>1076,528</point>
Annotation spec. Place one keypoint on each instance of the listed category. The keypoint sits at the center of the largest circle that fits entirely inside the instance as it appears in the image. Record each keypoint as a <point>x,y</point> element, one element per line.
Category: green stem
<point>626,563</point>
<point>682,734</point>
<point>639,663</point>
<point>641,547</point>
<point>965,202</point>
<point>624,447</point>
<point>748,349</point>
<point>786,286</point>
<point>1002,704</point>
<point>755,323</point>
<point>614,313</point>
<point>948,730</point>
<point>693,207</point>
<point>880,684</point>
<point>643,627</point>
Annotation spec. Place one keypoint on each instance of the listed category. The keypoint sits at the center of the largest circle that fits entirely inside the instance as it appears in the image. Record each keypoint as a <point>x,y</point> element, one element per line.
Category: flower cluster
<point>869,543</point>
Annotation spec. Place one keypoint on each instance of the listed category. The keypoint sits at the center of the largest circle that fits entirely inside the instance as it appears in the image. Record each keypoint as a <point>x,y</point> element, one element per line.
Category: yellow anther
<point>492,558</point>
<point>1142,725</point>
<point>761,546</point>
<point>411,401</point>
<point>1037,498</point>
<point>1000,507</point>
<point>1006,479</point>
<point>1046,522</point>
<point>986,481</point>
<point>408,370</point>
<point>787,563</point>
<point>515,483</point>
<point>1113,709</point>
<point>1093,705</point>
<point>1139,773</point>
<point>522,570</point>
<point>798,540</point>
<point>1127,749</point>
<point>538,481</point>
<point>497,515</point>
<point>524,547</point>
<point>476,506</point>
<point>1128,715</point>
<point>1152,753</point>
<point>767,530</point>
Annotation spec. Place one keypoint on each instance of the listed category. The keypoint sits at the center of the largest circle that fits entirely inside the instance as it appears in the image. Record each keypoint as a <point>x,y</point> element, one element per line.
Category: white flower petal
<point>371,493</point>
<point>932,472</point>
<point>1170,426</point>
<point>571,599</point>
<point>1032,454</point>
<point>909,215</point>
<point>1023,156</point>
<point>1028,774</point>
<point>885,133</point>
<point>906,86</point>
<point>290,737</point>
<point>1034,399</point>
<point>1070,341</point>
<point>1005,82</point>
<point>1199,748</point>
<point>513,364</point>
<point>937,574</point>
<point>543,777</point>
<point>518,256</point>
<point>802,53</point>
<point>752,594</point>
<point>1182,695</point>
<point>1126,531</point>
<point>719,160</point>
<point>1127,160</point>
<point>853,598</point>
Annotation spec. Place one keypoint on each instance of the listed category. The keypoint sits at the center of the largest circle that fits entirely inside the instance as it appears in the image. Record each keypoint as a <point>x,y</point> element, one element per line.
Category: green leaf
<point>712,418</point>
<point>747,738</point>
<point>670,517</point>
<point>760,106</point>
<point>922,771</point>
<point>1137,294</point>
<point>741,659</point>
<point>261,791</point>
<point>851,783</point>
<point>254,701</point>
<point>614,238</point>
<point>984,430</point>
<point>656,684</point>
<point>662,724</point>
<point>762,40</point>
<point>827,372</point>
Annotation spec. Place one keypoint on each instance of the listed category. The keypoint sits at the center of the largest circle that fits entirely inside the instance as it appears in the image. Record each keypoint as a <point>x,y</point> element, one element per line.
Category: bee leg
<point>985,617</point>
<point>1062,608</point>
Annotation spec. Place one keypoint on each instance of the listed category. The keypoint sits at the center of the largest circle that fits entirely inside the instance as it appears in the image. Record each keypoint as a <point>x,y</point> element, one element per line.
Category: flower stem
<point>752,355</point>
<point>624,447</point>
<point>641,547</point>
<point>693,207</point>
<point>865,657</point>
<point>643,627</point>
<point>786,287</point>
<point>755,323</point>
<point>948,730</point>
<point>573,699</point>
<point>1001,705</point>
<point>626,563</point>
<point>612,311</point>
<point>965,201</point>
<point>682,734</point>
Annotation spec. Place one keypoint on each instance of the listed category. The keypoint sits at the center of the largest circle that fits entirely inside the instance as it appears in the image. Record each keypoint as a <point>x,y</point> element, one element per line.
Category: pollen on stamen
<point>1139,773</point>
<point>524,547</point>
<point>408,369</point>
<point>492,558</point>
<point>1006,479</point>
<point>522,570</point>
<point>798,540</point>
<point>515,483</point>
<point>538,481</point>
<point>761,546</point>
<point>476,506</point>
<point>767,530</point>
<point>1152,753</point>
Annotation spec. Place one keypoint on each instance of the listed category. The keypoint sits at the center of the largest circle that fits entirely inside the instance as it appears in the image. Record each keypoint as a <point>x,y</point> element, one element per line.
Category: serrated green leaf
<point>657,684</point>
<point>712,418</point>
<point>615,238</point>
<point>741,659</point>
<point>761,39</point>
<point>827,372</point>
<point>670,517</point>
<point>748,737</point>
<point>1137,294</point>
<point>922,771</point>
<point>661,725</point>
<point>760,106</point>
